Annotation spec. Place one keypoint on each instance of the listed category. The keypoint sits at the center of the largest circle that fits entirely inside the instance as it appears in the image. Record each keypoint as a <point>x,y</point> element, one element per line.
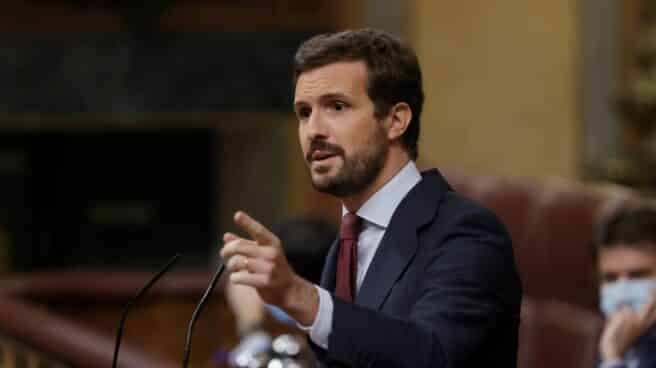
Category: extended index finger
<point>257,231</point>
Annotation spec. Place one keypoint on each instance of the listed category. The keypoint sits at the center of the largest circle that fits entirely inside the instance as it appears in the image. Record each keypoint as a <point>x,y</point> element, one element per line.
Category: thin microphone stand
<point>134,299</point>
<point>199,308</point>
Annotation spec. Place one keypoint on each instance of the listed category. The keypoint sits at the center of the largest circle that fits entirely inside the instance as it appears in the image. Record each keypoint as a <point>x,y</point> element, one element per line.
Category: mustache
<point>321,145</point>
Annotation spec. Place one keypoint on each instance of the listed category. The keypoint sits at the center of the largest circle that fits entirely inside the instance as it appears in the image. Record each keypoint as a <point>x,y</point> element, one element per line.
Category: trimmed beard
<point>359,170</point>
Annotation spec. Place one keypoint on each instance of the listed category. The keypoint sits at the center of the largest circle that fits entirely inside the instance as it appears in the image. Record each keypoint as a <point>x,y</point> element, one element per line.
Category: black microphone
<point>134,299</point>
<point>196,314</point>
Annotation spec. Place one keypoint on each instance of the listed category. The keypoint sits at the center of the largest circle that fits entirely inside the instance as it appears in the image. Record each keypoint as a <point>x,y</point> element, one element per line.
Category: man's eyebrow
<point>334,96</point>
<point>325,97</point>
<point>300,103</point>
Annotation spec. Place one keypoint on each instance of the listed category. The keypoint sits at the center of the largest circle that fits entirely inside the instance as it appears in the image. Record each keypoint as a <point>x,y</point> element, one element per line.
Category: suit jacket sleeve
<point>468,294</point>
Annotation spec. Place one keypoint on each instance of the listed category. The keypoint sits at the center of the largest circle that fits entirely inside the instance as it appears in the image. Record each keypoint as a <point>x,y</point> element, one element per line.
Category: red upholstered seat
<point>552,227</point>
<point>557,334</point>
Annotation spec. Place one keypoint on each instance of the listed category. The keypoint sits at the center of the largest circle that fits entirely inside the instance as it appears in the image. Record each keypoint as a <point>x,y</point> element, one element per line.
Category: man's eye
<point>304,112</point>
<point>639,274</point>
<point>339,106</point>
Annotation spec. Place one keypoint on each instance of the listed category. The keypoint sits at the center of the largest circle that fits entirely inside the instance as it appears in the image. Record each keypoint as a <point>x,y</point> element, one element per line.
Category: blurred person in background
<point>626,261</point>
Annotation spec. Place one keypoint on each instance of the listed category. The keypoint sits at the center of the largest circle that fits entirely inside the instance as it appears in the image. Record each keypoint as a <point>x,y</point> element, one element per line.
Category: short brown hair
<point>393,73</point>
<point>629,226</point>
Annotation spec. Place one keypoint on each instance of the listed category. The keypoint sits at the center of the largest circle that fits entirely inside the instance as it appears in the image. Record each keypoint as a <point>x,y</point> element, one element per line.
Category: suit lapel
<point>399,245</point>
<point>397,248</point>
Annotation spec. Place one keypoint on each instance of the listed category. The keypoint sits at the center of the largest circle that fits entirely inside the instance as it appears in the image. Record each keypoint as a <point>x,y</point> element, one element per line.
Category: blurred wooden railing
<point>70,318</point>
<point>14,354</point>
<point>34,334</point>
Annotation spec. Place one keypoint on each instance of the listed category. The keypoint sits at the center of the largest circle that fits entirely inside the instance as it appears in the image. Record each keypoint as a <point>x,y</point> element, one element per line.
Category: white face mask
<point>634,293</point>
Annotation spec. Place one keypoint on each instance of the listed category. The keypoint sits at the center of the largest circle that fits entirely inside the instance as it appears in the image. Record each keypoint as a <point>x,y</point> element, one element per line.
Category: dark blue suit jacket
<point>441,291</point>
<point>643,350</point>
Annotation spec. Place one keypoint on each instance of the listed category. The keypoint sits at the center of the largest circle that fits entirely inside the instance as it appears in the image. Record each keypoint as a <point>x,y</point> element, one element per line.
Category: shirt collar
<point>380,207</point>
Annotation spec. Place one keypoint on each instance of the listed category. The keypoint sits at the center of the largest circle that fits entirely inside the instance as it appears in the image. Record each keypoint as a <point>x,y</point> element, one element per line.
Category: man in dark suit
<point>419,276</point>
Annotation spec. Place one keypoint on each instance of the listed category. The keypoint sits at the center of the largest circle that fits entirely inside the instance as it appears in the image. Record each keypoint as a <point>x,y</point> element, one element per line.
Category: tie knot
<point>351,224</point>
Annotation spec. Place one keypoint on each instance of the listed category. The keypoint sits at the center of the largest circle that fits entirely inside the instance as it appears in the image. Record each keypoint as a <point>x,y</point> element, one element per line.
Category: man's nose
<point>316,126</point>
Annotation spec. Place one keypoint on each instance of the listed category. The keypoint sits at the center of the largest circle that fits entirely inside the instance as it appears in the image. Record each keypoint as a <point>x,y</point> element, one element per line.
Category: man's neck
<point>393,166</point>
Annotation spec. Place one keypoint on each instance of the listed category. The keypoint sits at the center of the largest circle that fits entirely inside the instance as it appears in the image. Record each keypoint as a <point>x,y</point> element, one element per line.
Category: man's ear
<point>398,120</point>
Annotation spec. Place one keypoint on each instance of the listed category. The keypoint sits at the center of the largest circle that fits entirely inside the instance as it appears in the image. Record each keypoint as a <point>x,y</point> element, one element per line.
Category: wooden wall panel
<point>502,83</point>
<point>47,18</point>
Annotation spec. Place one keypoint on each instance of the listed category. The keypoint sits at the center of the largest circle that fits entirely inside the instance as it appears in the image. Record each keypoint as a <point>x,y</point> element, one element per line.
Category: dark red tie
<point>347,262</point>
